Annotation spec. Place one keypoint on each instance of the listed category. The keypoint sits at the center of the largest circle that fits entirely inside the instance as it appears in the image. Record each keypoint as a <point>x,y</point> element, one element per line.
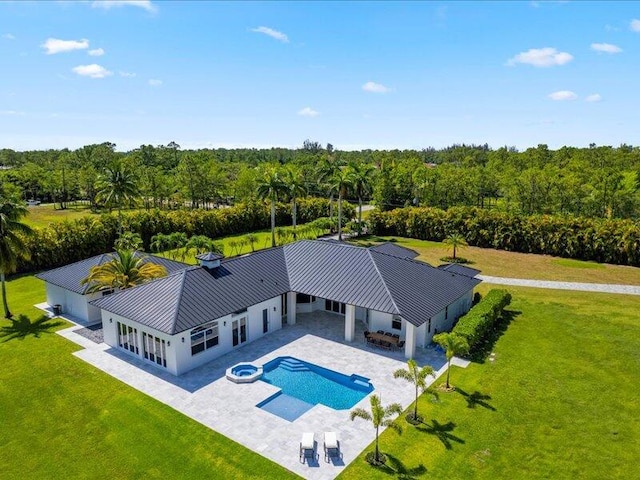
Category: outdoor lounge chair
<point>331,446</point>
<point>307,447</point>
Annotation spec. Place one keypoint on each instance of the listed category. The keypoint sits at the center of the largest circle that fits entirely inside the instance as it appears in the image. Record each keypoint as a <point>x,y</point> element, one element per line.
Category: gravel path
<point>584,287</point>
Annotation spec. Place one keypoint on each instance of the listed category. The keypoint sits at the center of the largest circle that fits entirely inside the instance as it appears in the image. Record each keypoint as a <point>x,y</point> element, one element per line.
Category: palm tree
<point>341,182</point>
<point>295,185</point>
<point>177,244</point>
<point>126,269</point>
<point>417,376</point>
<point>160,242</point>
<point>453,345</point>
<point>252,238</point>
<point>12,246</point>
<point>362,183</point>
<point>269,186</point>
<point>327,169</point>
<point>128,241</point>
<point>380,416</point>
<point>455,241</point>
<point>202,244</point>
<point>118,185</point>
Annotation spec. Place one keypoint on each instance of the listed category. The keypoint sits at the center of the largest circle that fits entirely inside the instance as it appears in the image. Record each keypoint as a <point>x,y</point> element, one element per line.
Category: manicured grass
<point>45,214</point>
<point>500,263</point>
<point>62,418</point>
<point>559,401</point>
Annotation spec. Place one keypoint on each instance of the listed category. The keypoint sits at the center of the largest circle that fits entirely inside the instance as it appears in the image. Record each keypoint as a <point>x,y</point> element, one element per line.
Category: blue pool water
<point>304,385</point>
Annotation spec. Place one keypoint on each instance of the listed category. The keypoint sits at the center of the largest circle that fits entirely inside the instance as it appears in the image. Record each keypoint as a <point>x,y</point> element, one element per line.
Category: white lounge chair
<point>307,446</point>
<point>331,446</point>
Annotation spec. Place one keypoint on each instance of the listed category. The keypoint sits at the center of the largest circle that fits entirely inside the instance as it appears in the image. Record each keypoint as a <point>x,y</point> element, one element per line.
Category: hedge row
<point>603,240</point>
<point>67,242</point>
<point>477,324</point>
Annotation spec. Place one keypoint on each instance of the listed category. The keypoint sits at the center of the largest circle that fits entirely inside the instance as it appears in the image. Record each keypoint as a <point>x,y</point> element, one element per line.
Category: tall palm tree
<point>455,241</point>
<point>269,187</point>
<point>380,416</point>
<point>126,269</point>
<point>341,182</point>
<point>12,246</point>
<point>417,376</point>
<point>202,244</point>
<point>326,170</point>
<point>362,184</point>
<point>453,345</point>
<point>117,186</point>
<point>296,187</point>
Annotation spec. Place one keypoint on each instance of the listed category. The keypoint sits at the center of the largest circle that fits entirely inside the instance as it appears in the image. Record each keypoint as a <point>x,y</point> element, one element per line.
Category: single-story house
<point>201,312</point>
<point>64,288</point>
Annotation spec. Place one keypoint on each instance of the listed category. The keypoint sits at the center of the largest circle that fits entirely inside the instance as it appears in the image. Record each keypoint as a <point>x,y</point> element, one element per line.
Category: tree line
<point>598,181</point>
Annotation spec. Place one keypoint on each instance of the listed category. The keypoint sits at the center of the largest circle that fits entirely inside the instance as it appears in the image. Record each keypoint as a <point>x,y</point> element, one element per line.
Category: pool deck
<point>205,395</point>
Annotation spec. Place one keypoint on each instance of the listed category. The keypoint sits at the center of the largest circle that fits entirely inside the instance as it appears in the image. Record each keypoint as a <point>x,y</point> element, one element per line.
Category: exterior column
<point>350,323</point>
<point>410,340</point>
<point>291,308</point>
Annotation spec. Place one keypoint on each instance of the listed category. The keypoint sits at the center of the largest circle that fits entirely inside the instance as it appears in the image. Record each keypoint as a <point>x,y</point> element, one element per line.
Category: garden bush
<point>478,323</point>
<point>602,240</point>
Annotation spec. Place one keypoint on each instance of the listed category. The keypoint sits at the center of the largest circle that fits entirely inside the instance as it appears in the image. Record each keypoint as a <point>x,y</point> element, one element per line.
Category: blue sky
<point>357,75</point>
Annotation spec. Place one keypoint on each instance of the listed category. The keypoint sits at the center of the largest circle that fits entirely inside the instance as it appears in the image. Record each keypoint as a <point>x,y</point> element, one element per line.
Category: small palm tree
<point>177,244</point>
<point>117,186</point>
<point>12,246</point>
<point>455,241</point>
<point>341,182</point>
<point>417,376</point>
<point>126,269</point>
<point>160,243</point>
<point>295,185</point>
<point>269,187</point>
<point>380,416</point>
<point>233,245</point>
<point>252,238</point>
<point>453,345</point>
<point>202,244</point>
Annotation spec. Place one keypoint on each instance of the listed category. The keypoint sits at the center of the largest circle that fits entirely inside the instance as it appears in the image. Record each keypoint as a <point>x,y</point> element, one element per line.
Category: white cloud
<point>272,33</point>
<point>11,112</point>
<point>8,36</point>
<point>594,97</point>
<point>635,25</point>
<point>308,112</point>
<point>154,82</point>
<point>605,48</point>
<point>96,52</point>
<point>374,87</point>
<point>55,45</point>
<point>108,4</point>
<point>563,95</point>
<point>126,74</point>
<point>541,57</point>
<point>93,71</point>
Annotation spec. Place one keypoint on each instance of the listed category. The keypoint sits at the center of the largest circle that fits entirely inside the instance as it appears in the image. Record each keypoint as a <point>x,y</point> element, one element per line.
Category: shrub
<point>68,242</point>
<point>602,240</point>
<point>479,322</point>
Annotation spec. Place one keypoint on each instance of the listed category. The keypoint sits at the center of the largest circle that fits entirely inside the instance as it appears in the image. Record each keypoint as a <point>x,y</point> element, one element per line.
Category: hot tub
<point>244,373</point>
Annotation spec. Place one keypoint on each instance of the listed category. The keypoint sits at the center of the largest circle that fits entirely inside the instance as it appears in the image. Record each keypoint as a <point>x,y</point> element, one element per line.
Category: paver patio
<point>205,395</point>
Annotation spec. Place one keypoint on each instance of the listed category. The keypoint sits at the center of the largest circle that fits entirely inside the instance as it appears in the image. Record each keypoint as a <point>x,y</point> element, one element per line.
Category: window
<point>331,306</point>
<point>396,323</point>
<point>446,312</point>
<point>302,298</point>
<point>429,326</point>
<point>327,305</point>
<point>265,320</point>
<point>204,337</point>
<point>154,349</point>
<point>128,338</point>
<point>239,331</point>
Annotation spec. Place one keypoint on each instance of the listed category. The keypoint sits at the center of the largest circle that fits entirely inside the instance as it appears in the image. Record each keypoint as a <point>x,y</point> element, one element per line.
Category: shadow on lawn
<point>476,399</point>
<point>442,431</point>
<point>22,327</point>
<point>395,467</point>
<point>482,351</point>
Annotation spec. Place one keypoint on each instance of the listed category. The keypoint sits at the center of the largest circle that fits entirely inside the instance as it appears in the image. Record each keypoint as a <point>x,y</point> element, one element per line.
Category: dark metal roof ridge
<point>375,265</point>
<point>174,321</point>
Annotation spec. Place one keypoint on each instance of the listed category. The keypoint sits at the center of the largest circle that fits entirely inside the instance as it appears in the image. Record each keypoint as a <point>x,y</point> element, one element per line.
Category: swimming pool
<point>304,385</point>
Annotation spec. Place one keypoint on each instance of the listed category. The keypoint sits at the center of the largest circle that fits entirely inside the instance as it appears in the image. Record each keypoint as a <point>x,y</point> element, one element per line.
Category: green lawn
<point>45,214</point>
<point>501,263</point>
<point>62,418</point>
<point>559,401</point>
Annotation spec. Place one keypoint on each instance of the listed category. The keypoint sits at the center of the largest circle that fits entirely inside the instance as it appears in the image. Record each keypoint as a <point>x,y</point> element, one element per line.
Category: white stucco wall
<point>73,303</point>
<point>454,311</point>
<point>179,357</point>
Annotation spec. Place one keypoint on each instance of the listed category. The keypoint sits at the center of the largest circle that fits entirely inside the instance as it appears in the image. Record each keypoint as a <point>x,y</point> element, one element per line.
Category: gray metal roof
<point>197,295</point>
<point>459,269</point>
<point>393,249</point>
<point>209,256</point>
<point>337,271</point>
<point>70,276</point>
